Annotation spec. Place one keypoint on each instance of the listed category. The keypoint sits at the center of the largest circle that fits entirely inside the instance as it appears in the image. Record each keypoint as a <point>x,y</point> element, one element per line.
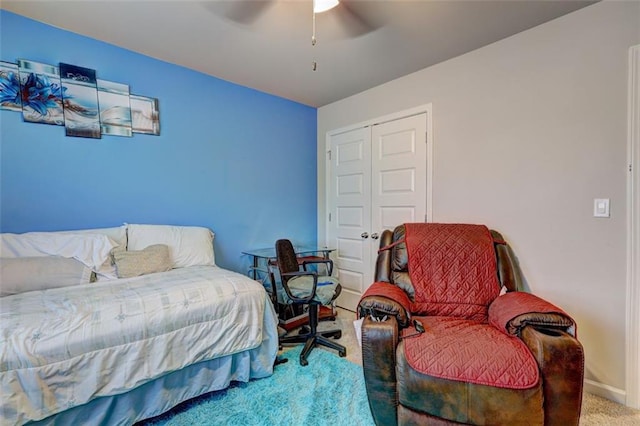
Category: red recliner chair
<point>449,337</point>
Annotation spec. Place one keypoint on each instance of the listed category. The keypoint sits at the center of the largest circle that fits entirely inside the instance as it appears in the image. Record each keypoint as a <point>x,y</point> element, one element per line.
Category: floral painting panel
<point>115,109</point>
<point>10,86</point>
<point>41,93</point>
<point>80,100</point>
<point>145,115</point>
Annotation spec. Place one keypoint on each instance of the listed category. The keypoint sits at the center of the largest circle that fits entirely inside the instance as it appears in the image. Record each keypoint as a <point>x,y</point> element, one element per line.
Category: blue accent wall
<point>230,158</point>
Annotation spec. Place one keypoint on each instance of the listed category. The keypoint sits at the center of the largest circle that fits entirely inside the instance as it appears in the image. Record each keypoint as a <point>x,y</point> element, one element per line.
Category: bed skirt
<point>160,395</point>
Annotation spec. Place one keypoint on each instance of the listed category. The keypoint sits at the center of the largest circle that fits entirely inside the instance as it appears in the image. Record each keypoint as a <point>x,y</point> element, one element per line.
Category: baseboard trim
<point>605,391</point>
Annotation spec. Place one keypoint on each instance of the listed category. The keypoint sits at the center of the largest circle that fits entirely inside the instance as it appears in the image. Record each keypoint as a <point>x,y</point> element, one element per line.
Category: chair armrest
<point>379,342</point>
<point>549,333</point>
<point>560,358</point>
<point>310,260</point>
<point>513,311</point>
<point>298,274</point>
<point>386,299</point>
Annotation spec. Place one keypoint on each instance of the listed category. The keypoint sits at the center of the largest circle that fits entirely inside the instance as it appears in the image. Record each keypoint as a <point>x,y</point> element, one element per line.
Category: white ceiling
<point>271,51</point>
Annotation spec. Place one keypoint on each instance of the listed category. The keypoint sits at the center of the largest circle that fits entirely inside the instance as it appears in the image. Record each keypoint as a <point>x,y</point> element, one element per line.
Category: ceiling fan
<point>356,17</point>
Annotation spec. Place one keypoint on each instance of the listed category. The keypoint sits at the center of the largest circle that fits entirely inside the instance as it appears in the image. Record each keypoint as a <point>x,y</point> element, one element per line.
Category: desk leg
<point>329,312</point>
<point>274,290</point>
<point>271,277</point>
<point>255,267</point>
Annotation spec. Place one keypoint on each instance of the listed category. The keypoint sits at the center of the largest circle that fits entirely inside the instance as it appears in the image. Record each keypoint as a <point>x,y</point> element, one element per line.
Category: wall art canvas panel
<point>10,87</point>
<point>41,92</point>
<point>145,115</point>
<point>80,100</point>
<point>115,109</point>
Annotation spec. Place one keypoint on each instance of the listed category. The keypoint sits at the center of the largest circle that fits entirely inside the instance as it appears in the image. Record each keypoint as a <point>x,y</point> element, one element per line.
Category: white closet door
<point>350,210</point>
<point>378,179</point>
<point>399,170</point>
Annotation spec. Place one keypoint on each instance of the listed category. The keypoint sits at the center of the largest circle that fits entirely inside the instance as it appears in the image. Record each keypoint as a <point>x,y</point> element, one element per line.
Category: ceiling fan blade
<point>243,12</point>
<point>358,18</point>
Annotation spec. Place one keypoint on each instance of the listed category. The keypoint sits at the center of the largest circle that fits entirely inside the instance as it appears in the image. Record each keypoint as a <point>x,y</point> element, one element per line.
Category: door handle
<point>374,236</point>
<point>364,235</point>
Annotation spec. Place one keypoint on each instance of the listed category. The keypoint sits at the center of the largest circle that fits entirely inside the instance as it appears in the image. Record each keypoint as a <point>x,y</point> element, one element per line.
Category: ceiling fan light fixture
<point>320,6</point>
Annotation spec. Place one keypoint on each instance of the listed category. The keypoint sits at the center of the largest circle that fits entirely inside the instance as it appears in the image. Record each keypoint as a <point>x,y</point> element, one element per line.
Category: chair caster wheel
<point>304,362</point>
<point>279,361</point>
<point>304,330</point>
<point>342,354</point>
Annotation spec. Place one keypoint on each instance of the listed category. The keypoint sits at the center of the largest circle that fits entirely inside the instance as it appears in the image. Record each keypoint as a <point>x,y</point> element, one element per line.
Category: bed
<point>116,350</point>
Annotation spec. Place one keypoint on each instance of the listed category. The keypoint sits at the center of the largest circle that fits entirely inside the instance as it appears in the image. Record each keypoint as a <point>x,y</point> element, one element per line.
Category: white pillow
<point>188,245</point>
<point>21,274</point>
<point>92,250</point>
<point>118,234</point>
<point>10,246</point>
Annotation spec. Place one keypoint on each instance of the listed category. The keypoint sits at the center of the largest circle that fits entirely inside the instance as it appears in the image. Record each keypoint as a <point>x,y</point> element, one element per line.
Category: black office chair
<point>307,288</point>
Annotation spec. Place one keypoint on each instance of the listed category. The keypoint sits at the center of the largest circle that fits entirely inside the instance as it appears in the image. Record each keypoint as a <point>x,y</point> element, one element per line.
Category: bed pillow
<point>21,274</point>
<point>54,243</point>
<point>133,263</point>
<point>117,234</point>
<point>90,249</point>
<point>188,245</point>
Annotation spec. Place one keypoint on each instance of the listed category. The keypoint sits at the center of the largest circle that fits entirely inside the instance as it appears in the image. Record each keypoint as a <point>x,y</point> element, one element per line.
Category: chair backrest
<point>451,268</point>
<point>286,257</point>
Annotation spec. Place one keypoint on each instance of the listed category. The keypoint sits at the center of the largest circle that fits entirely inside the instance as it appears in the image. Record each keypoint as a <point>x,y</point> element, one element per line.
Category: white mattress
<point>64,347</point>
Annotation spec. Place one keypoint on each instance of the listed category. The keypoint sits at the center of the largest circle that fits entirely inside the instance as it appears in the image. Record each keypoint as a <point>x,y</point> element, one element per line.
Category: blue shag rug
<point>329,391</point>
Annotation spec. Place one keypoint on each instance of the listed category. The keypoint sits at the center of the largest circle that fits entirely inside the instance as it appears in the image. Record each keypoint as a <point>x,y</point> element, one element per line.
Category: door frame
<point>422,109</point>
<point>633,234</point>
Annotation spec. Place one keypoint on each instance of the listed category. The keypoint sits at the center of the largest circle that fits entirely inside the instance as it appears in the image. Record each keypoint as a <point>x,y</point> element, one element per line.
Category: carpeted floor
<point>329,391</point>
<point>596,411</point>
<point>294,395</point>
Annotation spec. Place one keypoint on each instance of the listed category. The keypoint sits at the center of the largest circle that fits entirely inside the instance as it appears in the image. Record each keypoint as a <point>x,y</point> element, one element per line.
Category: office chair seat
<point>303,286</point>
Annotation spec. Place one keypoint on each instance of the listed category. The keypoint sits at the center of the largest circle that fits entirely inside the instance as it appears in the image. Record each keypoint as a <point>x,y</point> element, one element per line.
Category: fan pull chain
<point>313,36</point>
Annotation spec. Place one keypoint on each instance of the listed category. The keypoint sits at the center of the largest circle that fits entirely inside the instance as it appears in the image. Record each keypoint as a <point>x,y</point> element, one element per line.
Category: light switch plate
<point>601,207</point>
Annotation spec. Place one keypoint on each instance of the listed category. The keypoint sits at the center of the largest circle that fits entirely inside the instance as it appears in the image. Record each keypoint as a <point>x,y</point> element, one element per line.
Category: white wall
<point>527,132</point>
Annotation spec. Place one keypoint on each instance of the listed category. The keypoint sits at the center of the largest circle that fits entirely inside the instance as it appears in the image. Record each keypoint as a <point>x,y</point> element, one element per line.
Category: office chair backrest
<point>286,256</point>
